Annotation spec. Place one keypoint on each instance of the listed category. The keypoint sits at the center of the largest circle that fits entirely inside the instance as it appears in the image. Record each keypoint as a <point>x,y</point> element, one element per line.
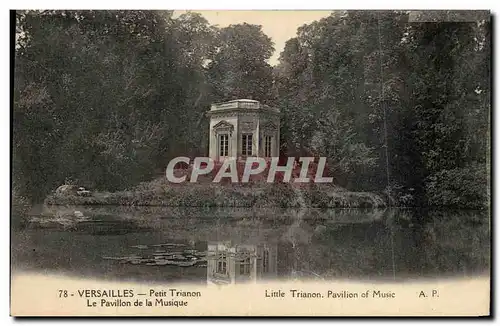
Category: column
<point>256,139</point>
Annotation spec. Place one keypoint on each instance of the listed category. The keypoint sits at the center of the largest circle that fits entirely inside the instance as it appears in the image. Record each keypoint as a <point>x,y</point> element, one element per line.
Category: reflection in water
<point>229,263</point>
<point>224,247</point>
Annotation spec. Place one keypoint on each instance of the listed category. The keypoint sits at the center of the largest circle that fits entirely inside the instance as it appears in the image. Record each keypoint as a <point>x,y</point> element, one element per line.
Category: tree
<point>98,95</point>
<point>239,68</point>
<point>412,97</point>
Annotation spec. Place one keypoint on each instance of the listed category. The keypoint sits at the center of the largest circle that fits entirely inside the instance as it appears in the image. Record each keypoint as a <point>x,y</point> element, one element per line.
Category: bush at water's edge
<point>159,193</point>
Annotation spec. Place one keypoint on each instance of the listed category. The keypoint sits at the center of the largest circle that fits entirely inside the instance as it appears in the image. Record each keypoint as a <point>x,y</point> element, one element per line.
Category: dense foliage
<point>399,102</point>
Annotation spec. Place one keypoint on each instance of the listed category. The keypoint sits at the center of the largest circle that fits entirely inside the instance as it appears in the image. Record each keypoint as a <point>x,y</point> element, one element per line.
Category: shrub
<point>461,187</point>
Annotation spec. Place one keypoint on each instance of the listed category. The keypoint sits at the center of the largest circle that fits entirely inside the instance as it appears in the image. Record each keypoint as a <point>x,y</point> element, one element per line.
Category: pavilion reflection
<point>231,263</point>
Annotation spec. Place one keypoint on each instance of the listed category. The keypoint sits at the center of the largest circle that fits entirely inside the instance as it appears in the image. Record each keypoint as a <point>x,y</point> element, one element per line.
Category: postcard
<point>251,163</point>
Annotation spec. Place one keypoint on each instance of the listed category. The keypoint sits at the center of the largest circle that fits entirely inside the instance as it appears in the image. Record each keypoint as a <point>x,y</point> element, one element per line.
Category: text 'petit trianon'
<point>252,166</point>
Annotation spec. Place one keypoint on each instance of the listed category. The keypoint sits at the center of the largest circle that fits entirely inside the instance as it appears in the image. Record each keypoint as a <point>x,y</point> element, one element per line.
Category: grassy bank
<point>160,193</point>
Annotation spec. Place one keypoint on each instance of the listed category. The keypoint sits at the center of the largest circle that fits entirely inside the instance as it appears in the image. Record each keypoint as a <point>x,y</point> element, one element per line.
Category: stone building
<point>242,128</point>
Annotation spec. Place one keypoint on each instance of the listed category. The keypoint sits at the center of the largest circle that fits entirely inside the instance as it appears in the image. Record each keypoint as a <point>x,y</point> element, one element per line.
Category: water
<point>229,246</point>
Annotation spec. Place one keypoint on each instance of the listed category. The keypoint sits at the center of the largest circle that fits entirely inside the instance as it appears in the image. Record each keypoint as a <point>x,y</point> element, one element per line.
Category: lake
<point>220,246</point>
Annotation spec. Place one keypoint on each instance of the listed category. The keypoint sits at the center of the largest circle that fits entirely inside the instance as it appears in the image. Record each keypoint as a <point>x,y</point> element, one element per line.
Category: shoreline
<point>158,193</point>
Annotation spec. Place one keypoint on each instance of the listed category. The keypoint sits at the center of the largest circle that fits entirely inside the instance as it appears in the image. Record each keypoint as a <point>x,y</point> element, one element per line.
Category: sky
<point>280,25</point>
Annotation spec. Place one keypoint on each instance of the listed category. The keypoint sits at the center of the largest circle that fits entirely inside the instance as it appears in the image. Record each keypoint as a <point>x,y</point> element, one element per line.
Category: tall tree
<point>239,67</point>
<point>101,97</point>
<point>389,102</point>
